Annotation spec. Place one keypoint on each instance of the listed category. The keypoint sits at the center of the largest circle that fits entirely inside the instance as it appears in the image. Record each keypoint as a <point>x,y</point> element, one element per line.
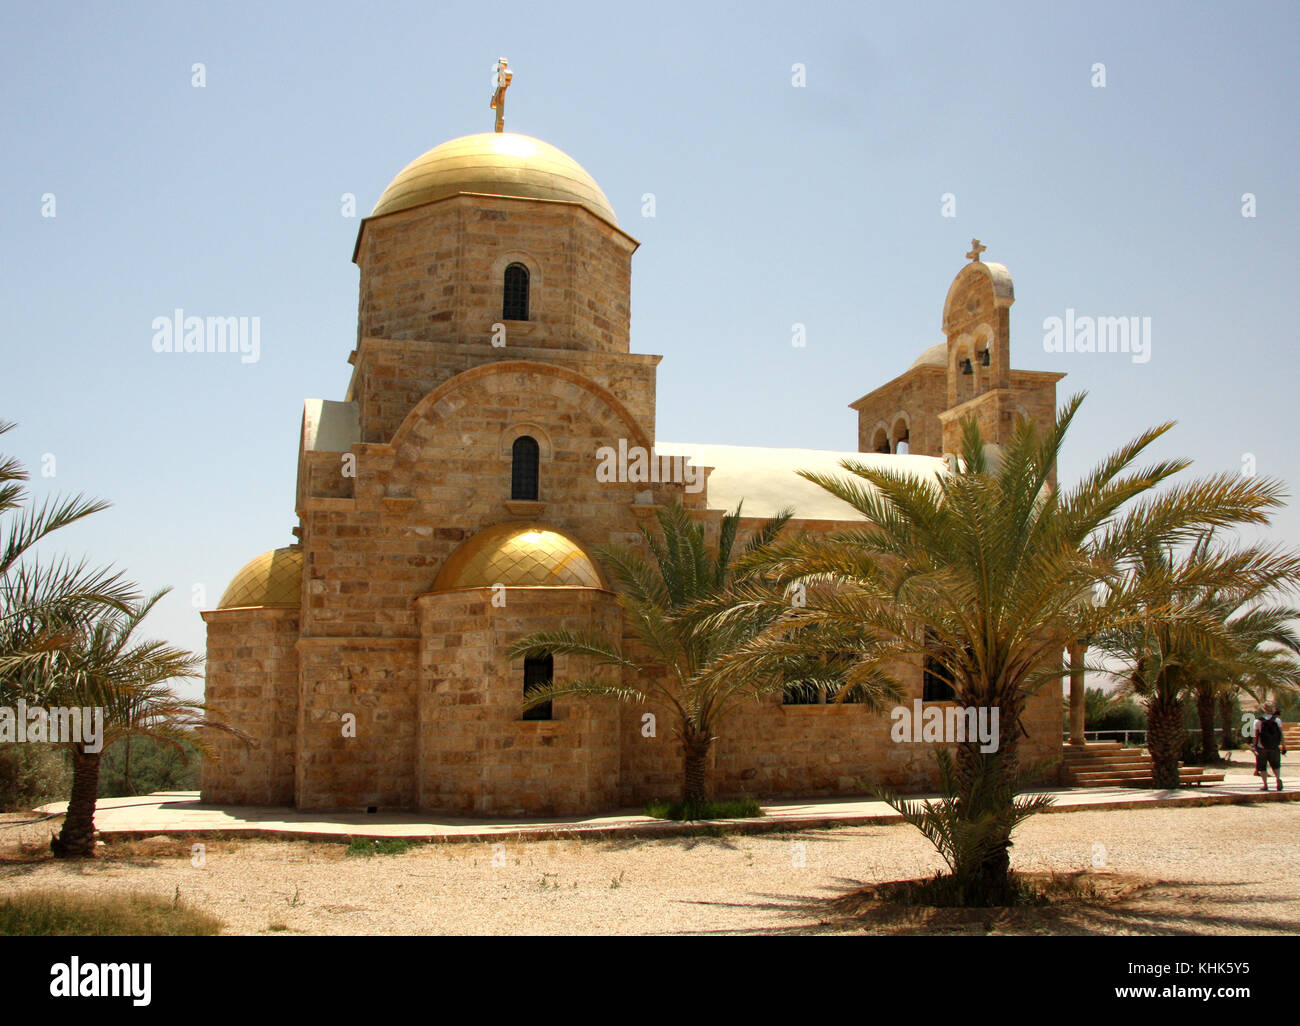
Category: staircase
<point>1110,764</point>
<point>1291,735</point>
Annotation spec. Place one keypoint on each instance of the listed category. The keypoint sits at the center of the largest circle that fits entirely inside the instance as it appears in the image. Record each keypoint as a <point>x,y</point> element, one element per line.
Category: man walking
<point>1269,746</point>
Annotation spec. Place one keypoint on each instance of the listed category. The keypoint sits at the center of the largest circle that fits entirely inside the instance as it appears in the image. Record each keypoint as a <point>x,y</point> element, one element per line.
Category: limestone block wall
<point>446,477</point>
<point>435,273</point>
<point>356,723</point>
<point>767,749</point>
<point>476,754</point>
<point>918,395</point>
<point>393,376</point>
<point>252,683</point>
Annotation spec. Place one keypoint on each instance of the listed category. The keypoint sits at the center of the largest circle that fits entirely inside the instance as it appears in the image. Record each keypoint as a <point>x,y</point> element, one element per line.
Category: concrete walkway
<point>180,813</point>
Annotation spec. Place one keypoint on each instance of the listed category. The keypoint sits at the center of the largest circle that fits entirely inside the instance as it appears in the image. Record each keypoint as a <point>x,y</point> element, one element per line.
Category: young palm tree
<point>43,603</point>
<point>1208,625</point>
<point>676,661</point>
<point>1261,655</point>
<point>105,667</point>
<point>986,571</point>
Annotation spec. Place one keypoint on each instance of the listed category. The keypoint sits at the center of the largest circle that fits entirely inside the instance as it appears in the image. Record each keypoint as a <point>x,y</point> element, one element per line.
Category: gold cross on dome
<point>502,80</point>
<point>975,248</point>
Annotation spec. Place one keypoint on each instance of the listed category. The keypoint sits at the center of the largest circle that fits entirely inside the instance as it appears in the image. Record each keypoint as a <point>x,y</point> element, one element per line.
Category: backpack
<point>1270,733</point>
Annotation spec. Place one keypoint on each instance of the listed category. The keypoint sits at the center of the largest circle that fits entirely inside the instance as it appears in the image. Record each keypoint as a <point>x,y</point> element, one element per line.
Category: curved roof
<point>518,555</point>
<point>768,479</point>
<point>999,283</point>
<point>935,356</point>
<point>497,163</point>
<point>272,579</point>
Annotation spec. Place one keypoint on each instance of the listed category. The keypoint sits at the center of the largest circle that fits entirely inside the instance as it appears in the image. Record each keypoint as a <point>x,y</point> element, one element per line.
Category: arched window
<point>514,302</point>
<point>538,671</point>
<point>524,466</point>
<point>902,437</point>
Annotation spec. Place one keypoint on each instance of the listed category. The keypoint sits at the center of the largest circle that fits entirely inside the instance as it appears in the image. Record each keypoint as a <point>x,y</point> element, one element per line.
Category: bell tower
<point>977,326</point>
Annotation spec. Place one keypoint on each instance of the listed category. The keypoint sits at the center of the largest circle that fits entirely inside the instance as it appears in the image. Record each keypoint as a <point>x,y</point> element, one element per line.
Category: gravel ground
<point>1213,870</point>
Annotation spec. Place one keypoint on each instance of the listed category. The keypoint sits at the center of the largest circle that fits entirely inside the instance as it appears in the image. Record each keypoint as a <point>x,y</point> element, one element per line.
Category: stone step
<point>1137,771</point>
<point>1094,746</point>
<point>1146,780</point>
<point>1127,767</point>
<point>1114,760</point>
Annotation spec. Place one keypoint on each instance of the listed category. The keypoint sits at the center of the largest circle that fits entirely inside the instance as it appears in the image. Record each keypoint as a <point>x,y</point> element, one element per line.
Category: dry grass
<point>50,913</point>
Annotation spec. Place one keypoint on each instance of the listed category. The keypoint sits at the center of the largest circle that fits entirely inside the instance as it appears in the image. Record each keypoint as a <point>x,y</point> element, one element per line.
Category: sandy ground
<point>1212,870</point>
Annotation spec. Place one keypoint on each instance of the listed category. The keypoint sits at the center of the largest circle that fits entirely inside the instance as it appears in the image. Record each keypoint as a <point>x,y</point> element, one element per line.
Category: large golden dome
<point>518,556</point>
<point>498,163</point>
<point>272,579</point>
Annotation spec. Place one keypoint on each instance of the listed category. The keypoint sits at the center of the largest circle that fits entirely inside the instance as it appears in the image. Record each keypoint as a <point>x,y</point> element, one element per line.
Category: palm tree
<point>43,603</point>
<point>676,661</point>
<point>986,570</point>
<point>106,668</point>
<point>1263,646</point>
<point>1205,624</point>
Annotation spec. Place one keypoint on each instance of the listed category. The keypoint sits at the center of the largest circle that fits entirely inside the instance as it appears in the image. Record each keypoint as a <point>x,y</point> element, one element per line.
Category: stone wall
<point>357,723</point>
<point>435,273</point>
<point>477,755</point>
<point>770,750</point>
<point>251,682</point>
<point>446,477</point>
<point>392,377</point>
<point>918,395</point>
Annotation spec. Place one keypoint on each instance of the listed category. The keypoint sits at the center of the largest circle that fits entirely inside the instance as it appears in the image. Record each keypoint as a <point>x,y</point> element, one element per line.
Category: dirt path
<point>1217,870</point>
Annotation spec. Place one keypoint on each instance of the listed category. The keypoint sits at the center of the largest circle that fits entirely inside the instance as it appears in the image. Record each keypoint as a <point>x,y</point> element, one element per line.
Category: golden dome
<point>272,579</point>
<point>499,163</point>
<point>518,556</point>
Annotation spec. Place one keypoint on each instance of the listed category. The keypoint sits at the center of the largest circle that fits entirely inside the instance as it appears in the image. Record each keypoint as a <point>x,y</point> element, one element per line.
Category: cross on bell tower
<point>975,247</point>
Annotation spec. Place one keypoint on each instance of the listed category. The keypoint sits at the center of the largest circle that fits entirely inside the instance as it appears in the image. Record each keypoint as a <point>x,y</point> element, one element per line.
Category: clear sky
<point>775,204</point>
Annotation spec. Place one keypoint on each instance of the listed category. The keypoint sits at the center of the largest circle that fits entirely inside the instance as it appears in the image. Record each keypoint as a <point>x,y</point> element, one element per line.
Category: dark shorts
<point>1270,758</point>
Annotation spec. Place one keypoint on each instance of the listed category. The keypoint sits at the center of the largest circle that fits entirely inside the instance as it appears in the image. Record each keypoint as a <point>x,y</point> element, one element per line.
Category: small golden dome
<point>518,556</point>
<point>272,579</point>
<point>498,163</point>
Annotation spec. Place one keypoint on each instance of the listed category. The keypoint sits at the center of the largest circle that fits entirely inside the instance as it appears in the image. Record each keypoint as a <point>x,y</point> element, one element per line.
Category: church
<point>451,502</point>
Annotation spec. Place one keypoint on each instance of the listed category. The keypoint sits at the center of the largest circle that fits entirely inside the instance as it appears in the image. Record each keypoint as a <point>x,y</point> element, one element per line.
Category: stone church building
<point>449,504</point>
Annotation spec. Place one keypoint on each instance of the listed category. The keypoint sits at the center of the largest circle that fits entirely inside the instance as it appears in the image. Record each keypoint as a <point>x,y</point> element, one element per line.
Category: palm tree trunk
<point>987,783</point>
<point>1205,713</point>
<point>1165,738</point>
<point>1225,720</point>
<point>77,838</point>
<point>695,749</point>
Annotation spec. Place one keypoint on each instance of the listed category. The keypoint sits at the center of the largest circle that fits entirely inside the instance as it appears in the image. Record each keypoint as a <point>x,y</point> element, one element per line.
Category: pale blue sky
<point>775,205</point>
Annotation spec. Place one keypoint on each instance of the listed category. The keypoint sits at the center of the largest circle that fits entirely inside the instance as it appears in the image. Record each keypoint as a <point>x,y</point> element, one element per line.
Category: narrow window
<point>802,694</point>
<point>538,671</point>
<point>935,686</point>
<point>524,468</point>
<point>805,692</point>
<point>514,305</point>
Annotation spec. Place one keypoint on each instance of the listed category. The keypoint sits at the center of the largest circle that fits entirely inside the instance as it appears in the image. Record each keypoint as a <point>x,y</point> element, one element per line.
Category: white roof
<point>329,426</point>
<point>935,356</point>
<point>768,479</point>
